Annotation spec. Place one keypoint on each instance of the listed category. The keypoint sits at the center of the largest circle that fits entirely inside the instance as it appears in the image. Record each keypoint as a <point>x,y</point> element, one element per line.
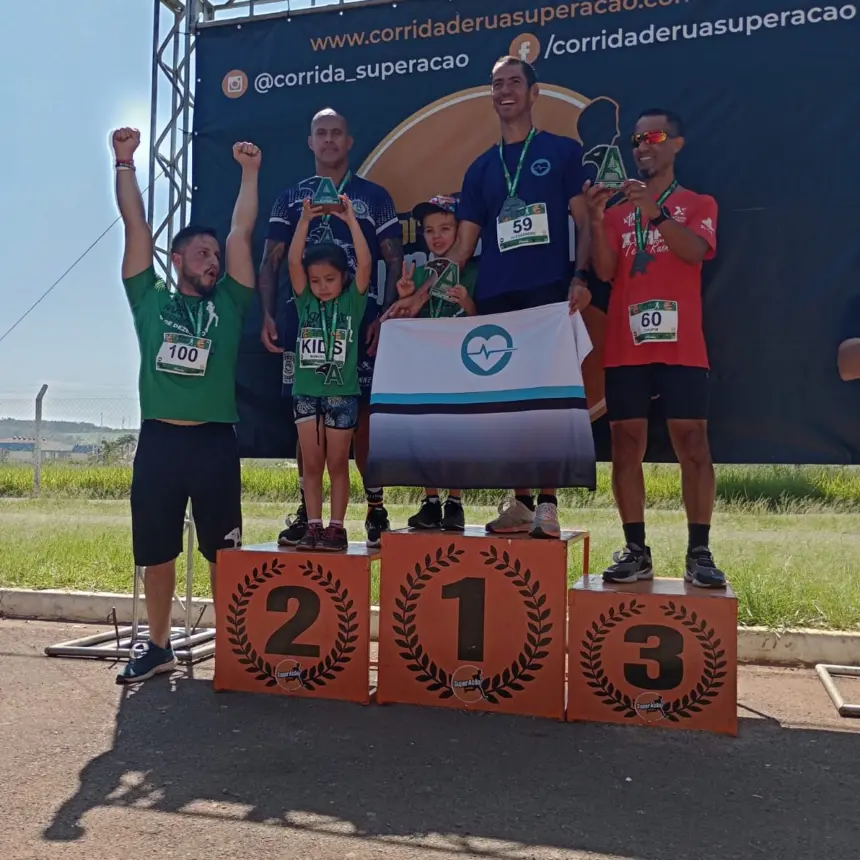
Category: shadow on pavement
<point>396,771</point>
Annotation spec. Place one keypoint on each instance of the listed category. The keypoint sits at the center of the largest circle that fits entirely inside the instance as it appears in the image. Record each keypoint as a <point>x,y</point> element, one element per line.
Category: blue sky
<point>79,69</point>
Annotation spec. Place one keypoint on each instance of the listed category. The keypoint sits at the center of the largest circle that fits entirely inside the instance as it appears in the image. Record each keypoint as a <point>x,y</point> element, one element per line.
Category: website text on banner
<point>412,79</point>
<point>504,406</point>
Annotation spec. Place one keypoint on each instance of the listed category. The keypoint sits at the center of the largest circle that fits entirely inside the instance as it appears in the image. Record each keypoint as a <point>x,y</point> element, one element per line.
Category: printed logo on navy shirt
<point>541,166</point>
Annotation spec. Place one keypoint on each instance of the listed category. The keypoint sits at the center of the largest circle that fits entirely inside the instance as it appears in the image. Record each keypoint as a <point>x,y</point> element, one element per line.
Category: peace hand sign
<point>406,284</point>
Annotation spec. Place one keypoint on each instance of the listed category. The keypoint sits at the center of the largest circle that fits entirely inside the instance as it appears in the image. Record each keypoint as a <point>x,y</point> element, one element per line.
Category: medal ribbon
<point>197,330</point>
<point>329,337</point>
<point>642,233</point>
<point>343,183</point>
<point>512,186</point>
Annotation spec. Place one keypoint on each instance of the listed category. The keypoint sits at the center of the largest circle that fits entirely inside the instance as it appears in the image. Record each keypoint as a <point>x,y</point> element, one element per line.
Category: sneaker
<point>332,539</point>
<point>453,517</point>
<point>147,659</point>
<point>546,522</point>
<point>296,528</point>
<point>514,518</point>
<point>375,524</point>
<point>702,571</point>
<point>311,537</point>
<point>630,565</point>
<point>428,517</point>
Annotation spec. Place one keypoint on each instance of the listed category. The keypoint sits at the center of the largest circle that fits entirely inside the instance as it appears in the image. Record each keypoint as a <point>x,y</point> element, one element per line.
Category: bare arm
<point>683,242</point>
<point>464,245</point>
<point>137,254</point>
<point>392,253</point>
<point>240,263</point>
<point>298,276</point>
<point>579,211</point>
<point>273,256</point>
<point>363,260</point>
<point>848,360</point>
<point>604,260</point>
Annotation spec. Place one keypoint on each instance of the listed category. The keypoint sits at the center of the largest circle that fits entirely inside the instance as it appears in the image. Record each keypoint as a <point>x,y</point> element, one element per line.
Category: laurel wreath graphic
<point>699,697</point>
<point>435,678</point>
<point>255,664</point>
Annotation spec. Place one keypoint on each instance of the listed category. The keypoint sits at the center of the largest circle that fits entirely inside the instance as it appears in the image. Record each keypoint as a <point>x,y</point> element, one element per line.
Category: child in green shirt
<point>325,390</point>
<point>438,221</point>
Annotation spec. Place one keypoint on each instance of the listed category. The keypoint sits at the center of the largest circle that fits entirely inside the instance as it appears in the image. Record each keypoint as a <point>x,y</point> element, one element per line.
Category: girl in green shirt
<point>325,391</point>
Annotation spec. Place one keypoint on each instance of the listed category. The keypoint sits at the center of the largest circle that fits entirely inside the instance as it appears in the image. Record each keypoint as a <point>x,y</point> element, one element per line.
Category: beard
<point>196,282</point>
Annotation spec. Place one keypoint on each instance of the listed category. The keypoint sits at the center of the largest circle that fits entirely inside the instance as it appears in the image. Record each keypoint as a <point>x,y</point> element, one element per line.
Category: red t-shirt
<point>656,317</point>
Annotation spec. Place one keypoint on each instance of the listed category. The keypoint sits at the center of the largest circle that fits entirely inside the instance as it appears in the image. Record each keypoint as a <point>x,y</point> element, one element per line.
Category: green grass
<point>789,569</point>
<point>753,489</point>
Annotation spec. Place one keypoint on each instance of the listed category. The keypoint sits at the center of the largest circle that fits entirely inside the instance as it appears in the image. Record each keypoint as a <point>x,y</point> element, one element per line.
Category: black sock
<point>528,501</point>
<point>634,533</point>
<point>374,496</point>
<point>699,534</point>
<point>434,499</point>
<point>546,499</point>
<point>454,500</point>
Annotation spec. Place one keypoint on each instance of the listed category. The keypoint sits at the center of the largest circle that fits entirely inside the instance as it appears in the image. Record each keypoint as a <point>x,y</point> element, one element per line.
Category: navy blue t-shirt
<point>377,216</point>
<point>552,173</point>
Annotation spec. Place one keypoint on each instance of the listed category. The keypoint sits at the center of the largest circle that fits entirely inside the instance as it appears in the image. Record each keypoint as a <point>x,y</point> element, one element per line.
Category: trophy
<point>326,196</point>
<point>611,173</point>
<point>447,275</point>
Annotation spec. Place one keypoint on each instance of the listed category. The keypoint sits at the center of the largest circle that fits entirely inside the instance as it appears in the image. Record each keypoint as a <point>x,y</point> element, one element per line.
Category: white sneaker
<point>546,522</point>
<point>514,518</point>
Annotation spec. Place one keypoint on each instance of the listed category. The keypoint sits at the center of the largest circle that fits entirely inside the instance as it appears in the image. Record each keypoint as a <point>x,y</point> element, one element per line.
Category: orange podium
<point>660,653</point>
<point>294,623</point>
<point>473,621</point>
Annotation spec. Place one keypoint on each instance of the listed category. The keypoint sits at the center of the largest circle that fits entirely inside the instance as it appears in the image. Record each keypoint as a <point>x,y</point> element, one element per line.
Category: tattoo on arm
<point>392,253</point>
<point>273,256</point>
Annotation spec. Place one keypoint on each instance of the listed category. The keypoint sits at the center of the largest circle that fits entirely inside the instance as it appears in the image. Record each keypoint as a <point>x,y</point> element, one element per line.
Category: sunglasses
<point>649,137</point>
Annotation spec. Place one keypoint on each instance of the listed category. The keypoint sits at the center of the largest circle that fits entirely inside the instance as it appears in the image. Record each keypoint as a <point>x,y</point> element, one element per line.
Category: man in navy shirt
<point>330,143</point>
<point>516,198</point>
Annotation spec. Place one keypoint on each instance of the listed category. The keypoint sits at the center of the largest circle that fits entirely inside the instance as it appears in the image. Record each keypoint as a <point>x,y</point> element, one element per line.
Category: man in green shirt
<point>189,345</point>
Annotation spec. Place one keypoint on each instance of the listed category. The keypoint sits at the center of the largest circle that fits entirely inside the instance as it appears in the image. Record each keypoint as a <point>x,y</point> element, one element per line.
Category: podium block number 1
<point>471,592</point>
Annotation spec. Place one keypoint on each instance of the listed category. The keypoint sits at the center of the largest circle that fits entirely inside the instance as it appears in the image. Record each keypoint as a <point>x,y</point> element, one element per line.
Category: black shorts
<point>172,465</point>
<point>520,300</point>
<point>683,391</point>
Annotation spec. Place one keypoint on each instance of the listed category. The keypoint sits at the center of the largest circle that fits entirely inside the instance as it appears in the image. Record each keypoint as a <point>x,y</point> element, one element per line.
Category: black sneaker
<point>375,524</point>
<point>310,538</point>
<point>453,518</point>
<point>428,517</point>
<point>630,565</point>
<point>702,571</point>
<point>296,528</point>
<point>332,539</point>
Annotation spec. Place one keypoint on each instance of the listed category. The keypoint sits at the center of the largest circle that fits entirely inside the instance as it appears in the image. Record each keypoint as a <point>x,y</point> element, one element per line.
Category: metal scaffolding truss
<point>175,25</point>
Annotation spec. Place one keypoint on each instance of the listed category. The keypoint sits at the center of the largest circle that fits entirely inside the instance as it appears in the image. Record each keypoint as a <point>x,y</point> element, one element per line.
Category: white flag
<point>482,402</point>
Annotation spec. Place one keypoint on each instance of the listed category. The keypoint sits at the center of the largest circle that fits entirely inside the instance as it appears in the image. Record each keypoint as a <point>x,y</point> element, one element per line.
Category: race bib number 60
<point>654,321</point>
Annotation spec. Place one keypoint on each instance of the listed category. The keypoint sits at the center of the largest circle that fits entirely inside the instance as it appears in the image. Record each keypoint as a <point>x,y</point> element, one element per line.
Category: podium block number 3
<point>666,655</point>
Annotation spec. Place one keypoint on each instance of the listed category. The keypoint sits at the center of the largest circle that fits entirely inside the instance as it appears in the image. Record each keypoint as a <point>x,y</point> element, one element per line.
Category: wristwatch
<point>665,215</point>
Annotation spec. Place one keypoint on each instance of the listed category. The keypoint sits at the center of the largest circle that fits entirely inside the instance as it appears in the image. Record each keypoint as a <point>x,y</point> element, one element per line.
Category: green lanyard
<point>343,183</point>
<point>642,232</point>
<point>197,330</point>
<point>329,338</point>
<point>512,186</point>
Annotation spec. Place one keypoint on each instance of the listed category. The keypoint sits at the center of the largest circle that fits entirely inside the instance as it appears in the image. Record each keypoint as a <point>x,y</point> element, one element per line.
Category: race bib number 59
<point>528,227</point>
<point>654,321</point>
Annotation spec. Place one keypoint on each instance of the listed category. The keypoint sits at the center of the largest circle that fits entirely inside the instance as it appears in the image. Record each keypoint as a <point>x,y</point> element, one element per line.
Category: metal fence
<point>87,430</point>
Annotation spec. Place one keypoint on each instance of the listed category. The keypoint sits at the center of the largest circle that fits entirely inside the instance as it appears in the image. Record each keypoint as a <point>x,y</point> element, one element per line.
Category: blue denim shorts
<point>336,413</point>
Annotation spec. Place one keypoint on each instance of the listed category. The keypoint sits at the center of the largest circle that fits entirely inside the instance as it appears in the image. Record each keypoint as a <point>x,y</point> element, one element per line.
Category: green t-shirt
<point>439,305</point>
<point>188,348</point>
<point>327,345</point>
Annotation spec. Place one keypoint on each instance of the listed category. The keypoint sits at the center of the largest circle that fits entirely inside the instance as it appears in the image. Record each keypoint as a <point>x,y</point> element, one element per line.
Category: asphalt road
<point>91,771</point>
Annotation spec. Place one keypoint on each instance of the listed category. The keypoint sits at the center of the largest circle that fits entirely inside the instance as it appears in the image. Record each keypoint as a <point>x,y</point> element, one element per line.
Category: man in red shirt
<point>650,247</point>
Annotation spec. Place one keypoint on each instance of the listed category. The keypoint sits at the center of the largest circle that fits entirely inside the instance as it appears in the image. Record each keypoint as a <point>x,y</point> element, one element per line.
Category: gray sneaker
<point>514,518</point>
<point>546,522</point>
<point>701,570</point>
<point>630,565</point>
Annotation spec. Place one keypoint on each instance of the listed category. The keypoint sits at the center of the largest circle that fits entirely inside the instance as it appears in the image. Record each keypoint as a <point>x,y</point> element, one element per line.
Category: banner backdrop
<point>503,406</point>
<point>768,89</point>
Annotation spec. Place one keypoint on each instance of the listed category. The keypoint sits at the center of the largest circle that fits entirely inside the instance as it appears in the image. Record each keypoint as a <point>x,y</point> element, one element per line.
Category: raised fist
<point>247,155</point>
<point>125,142</point>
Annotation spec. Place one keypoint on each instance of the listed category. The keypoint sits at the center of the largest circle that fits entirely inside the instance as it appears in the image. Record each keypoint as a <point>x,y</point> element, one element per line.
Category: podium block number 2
<point>283,640</point>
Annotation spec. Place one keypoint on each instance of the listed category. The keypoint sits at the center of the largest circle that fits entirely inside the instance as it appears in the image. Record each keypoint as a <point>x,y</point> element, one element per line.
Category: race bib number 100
<point>527,227</point>
<point>654,321</point>
<point>182,354</point>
